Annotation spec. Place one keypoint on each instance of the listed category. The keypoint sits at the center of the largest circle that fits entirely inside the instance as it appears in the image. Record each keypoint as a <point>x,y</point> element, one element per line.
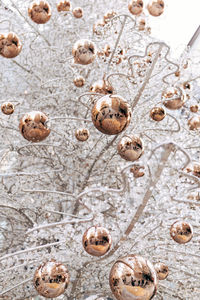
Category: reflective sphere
<point>156,7</point>
<point>10,45</point>
<point>157,114</point>
<point>7,108</point>
<point>82,134</point>
<point>102,87</point>
<point>130,148</point>
<point>135,7</point>
<point>97,241</point>
<point>79,81</point>
<point>173,98</point>
<point>133,278</point>
<point>84,52</point>
<point>64,6</point>
<point>181,232</point>
<point>194,108</point>
<point>111,114</point>
<point>162,271</point>
<point>33,126</point>
<point>51,279</point>
<point>194,123</point>
<point>77,12</point>
<point>39,12</point>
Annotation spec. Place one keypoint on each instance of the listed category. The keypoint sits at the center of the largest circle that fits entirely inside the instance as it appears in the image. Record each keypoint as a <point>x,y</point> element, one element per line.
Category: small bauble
<point>10,45</point>
<point>111,114</point>
<point>64,5</point>
<point>136,170</point>
<point>181,232</point>
<point>51,279</point>
<point>97,241</point>
<point>135,7</point>
<point>194,108</point>
<point>133,278</point>
<point>162,271</point>
<point>33,126</point>
<point>130,148</point>
<point>194,123</point>
<point>101,87</point>
<point>79,81</point>
<point>156,7</point>
<point>157,114</point>
<point>84,52</point>
<point>82,134</point>
<point>7,108</point>
<point>173,98</point>
<point>39,12</point>
<point>77,12</point>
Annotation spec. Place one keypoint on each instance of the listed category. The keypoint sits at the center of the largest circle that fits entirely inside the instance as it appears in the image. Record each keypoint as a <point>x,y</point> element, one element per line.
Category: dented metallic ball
<point>181,232</point>
<point>130,147</point>
<point>51,279</point>
<point>157,114</point>
<point>173,98</point>
<point>194,123</point>
<point>77,12</point>
<point>64,6</point>
<point>7,108</point>
<point>84,52</point>
<point>79,81</point>
<point>111,114</point>
<point>102,87</point>
<point>33,126</point>
<point>82,134</point>
<point>133,278</point>
<point>39,12</point>
<point>156,7</point>
<point>162,271</point>
<point>135,7</point>
<point>10,45</point>
<point>97,241</point>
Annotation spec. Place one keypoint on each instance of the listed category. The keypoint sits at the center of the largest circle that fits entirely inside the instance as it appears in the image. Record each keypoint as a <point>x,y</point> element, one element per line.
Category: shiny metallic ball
<point>173,98</point>
<point>84,52</point>
<point>39,12</point>
<point>130,147</point>
<point>64,6</point>
<point>181,232</point>
<point>77,12</point>
<point>194,108</point>
<point>10,45</point>
<point>101,87</point>
<point>162,270</point>
<point>51,279</point>
<point>7,108</point>
<point>33,126</point>
<point>157,114</point>
<point>156,7</point>
<point>79,81</point>
<point>82,134</point>
<point>97,241</point>
<point>111,114</point>
<point>135,7</point>
<point>194,123</point>
<point>133,277</point>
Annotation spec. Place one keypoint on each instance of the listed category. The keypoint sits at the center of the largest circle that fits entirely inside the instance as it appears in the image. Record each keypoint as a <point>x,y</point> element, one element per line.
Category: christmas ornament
<point>194,108</point>
<point>162,271</point>
<point>173,98</point>
<point>7,108</point>
<point>156,7</point>
<point>39,12</point>
<point>64,6</point>
<point>130,147</point>
<point>77,12</point>
<point>194,123</point>
<point>79,81</point>
<point>181,232</point>
<point>135,7</point>
<point>101,87</point>
<point>82,134</point>
<point>10,45</point>
<point>84,52</point>
<point>157,114</point>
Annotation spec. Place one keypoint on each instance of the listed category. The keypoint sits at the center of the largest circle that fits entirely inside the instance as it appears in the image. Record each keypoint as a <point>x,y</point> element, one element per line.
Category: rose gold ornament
<point>79,81</point>
<point>33,126</point>
<point>194,123</point>
<point>77,12</point>
<point>156,7</point>
<point>111,114</point>
<point>39,12</point>
<point>186,86</point>
<point>102,87</point>
<point>136,171</point>
<point>10,45</point>
<point>7,108</point>
<point>84,52</point>
<point>173,98</point>
<point>130,148</point>
<point>82,134</point>
<point>64,6</point>
<point>51,279</point>
<point>157,114</point>
<point>133,278</point>
<point>97,241</point>
<point>135,7</point>
<point>107,50</point>
<point>181,232</point>
<point>162,271</point>
<point>194,108</point>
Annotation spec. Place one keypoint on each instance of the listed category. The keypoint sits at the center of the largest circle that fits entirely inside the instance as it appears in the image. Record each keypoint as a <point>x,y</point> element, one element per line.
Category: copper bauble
<point>97,241</point>
<point>79,81</point>
<point>39,12</point>
<point>157,114</point>
<point>130,147</point>
<point>194,123</point>
<point>173,98</point>
<point>64,5</point>
<point>33,126</point>
<point>135,7</point>
<point>7,108</point>
<point>133,278</point>
<point>162,270</point>
<point>77,12</point>
<point>84,52</point>
<point>194,108</point>
<point>156,7</point>
<point>102,87</point>
<point>51,279</point>
<point>10,45</point>
<point>181,232</point>
<point>111,114</point>
<point>82,134</point>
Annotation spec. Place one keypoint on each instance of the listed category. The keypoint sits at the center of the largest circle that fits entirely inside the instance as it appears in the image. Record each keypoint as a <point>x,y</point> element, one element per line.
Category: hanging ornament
<point>79,81</point>
<point>82,134</point>
<point>173,98</point>
<point>77,12</point>
<point>10,45</point>
<point>84,52</point>
<point>64,6</point>
<point>111,114</point>
<point>162,271</point>
<point>136,171</point>
<point>157,114</point>
<point>102,87</point>
<point>51,279</point>
<point>194,123</point>
<point>135,7</point>
<point>133,278</point>
<point>97,241</point>
<point>156,7</point>
<point>7,108</point>
<point>130,147</point>
<point>33,126</point>
<point>39,12</point>
<point>194,108</point>
<point>181,232</point>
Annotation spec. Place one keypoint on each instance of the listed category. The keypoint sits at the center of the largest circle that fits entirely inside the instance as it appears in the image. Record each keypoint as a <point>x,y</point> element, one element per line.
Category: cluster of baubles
<point>155,7</point>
